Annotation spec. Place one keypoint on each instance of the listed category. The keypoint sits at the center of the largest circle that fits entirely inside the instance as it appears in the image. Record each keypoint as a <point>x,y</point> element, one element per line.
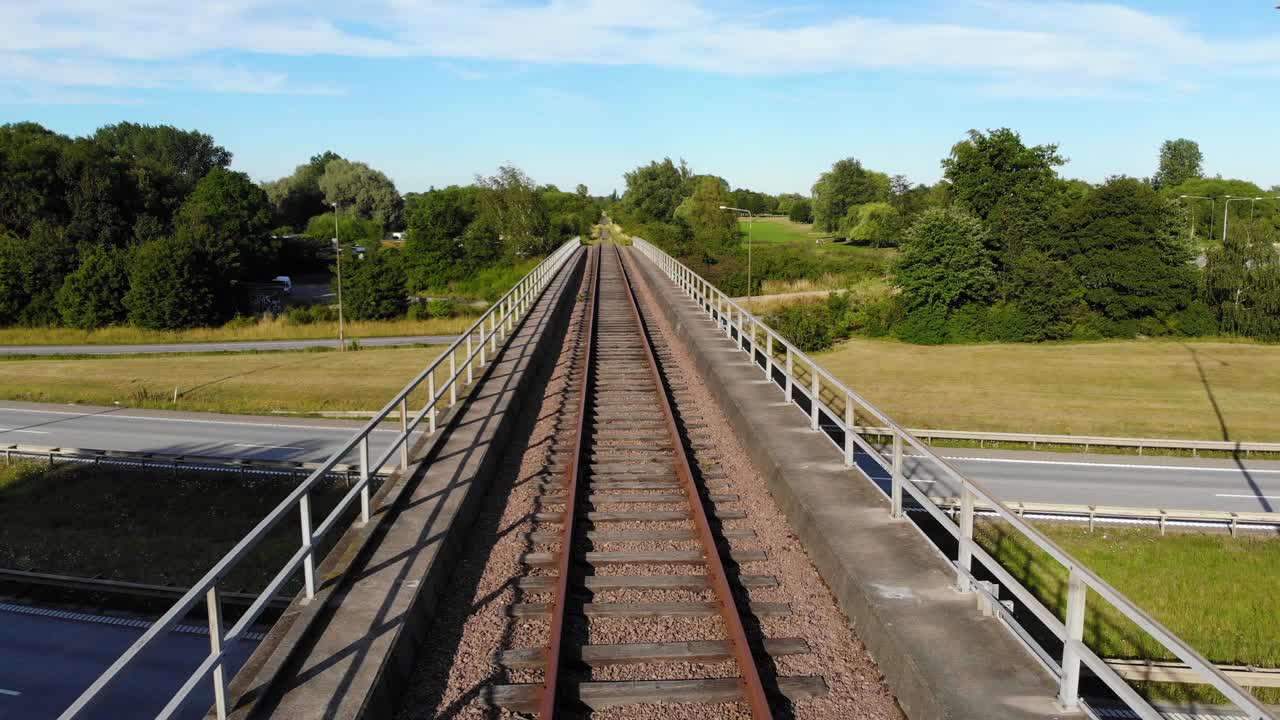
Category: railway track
<point>630,509</point>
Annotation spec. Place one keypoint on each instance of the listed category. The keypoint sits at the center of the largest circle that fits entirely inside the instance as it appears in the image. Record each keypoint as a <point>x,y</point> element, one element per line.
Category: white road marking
<point>29,432</point>
<point>10,693</point>
<point>1130,466</point>
<point>1250,497</point>
<point>269,447</point>
<point>112,416</point>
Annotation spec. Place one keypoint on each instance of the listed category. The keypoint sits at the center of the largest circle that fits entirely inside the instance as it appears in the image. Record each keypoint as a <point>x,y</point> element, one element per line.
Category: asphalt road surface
<point>46,662</point>
<point>1124,480</point>
<point>258,345</point>
<point>182,433</point>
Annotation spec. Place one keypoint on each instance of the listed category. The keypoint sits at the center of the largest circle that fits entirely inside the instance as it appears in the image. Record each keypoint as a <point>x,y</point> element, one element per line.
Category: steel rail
<point>752,685</point>
<point>573,471</point>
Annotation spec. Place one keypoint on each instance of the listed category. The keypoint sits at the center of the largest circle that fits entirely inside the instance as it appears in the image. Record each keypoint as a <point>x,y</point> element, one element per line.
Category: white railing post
<point>214,603</point>
<point>1069,687</point>
<point>896,509</point>
<point>404,428</point>
<point>816,401</point>
<point>308,560</point>
<point>768,355</point>
<point>453,378</point>
<point>848,430</point>
<point>790,374</point>
<point>364,479</point>
<point>470,375</point>
<point>493,332</point>
<point>965,561</point>
<point>484,346</point>
<point>431,395</point>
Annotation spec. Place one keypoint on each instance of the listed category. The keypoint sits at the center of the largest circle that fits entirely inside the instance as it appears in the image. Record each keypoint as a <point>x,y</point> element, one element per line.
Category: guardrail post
<point>470,376</point>
<point>493,333</point>
<point>484,345</point>
<point>453,378</point>
<point>431,395</point>
<point>790,374</point>
<point>404,428</point>
<point>848,430</point>
<point>768,355</point>
<point>896,509</point>
<point>214,603</point>
<point>364,479</point>
<point>965,561</point>
<point>308,560</point>
<point>816,400</point>
<point>1069,687</point>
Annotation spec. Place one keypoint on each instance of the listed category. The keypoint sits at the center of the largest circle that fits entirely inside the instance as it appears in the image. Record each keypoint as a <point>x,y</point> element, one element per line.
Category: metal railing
<point>1229,519</point>
<point>1088,441</point>
<point>831,402</point>
<point>469,353</point>
<point>211,463</point>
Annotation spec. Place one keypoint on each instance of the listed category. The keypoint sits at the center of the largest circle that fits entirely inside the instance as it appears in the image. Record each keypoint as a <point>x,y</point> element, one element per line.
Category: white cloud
<point>1081,48</point>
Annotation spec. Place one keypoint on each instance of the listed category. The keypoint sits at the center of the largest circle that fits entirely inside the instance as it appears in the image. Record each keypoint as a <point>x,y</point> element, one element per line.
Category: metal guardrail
<point>177,462</point>
<point>1088,441</point>
<point>1161,516</point>
<point>801,374</point>
<point>469,353</point>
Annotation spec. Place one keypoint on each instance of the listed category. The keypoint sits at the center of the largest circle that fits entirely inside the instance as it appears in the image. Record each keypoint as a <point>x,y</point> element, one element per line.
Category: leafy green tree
<point>582,190</point>
<point>1128,247</point>
<point>1011,187</point>
<point>801,211</point>
<point>877,223</point>
<point>374,288</point>
<point>713,228</point>
<point>433,248</point>
<point>352,230</point>
<point>1180,161</point>
<point>513,206</point>
<point>297,198</point>
<point>361,190</point>
<point>1047,295</point>
<point>171,286</point>
<point>31,188</point>
<point>654,191</point>
<point>1260,218</point>
<point>93,295</point>
<point>786,201</point>
<point>1242,282</point>
<point>229,218</point>
<point>944,261</point>
<point>568,215</point>
<point>102,199</point>
<point>845,185</point>
<point>165,162</point>
<point>34,266</point>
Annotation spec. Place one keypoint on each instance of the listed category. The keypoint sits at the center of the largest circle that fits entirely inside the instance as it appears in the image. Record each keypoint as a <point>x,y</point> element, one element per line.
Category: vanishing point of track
<point>624,444</point>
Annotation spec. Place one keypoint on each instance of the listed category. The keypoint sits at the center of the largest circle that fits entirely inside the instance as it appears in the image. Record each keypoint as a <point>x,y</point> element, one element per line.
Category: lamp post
<point>337,243</point>
<point>751,220</point>
<point>1212,204</point>
<point>1226,205</point>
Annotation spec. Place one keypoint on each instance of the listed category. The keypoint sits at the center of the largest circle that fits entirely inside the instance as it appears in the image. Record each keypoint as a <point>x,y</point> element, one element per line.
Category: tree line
<point>1004,248</point>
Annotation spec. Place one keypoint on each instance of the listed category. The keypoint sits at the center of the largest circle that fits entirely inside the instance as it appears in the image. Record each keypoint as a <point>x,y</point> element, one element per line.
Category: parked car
<point>285,282</point>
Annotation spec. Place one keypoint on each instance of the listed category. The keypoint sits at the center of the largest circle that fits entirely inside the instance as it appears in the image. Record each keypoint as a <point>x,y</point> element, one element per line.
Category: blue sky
<point>765,94</point>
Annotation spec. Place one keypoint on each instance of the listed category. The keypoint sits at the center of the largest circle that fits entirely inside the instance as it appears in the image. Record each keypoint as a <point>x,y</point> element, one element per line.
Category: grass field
<point>780,230</point>
<point>264,329</point>
<point>152,526</point>
<point>221,382</point>
<point>1214,591</point>
<point>1136,388</point>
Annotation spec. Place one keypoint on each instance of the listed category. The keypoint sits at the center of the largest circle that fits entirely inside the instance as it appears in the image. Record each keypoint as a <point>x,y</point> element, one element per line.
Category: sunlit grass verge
<point>1214,591</point>
<point>246,383</point>
<point>266,328</point>
<point>145,526</point>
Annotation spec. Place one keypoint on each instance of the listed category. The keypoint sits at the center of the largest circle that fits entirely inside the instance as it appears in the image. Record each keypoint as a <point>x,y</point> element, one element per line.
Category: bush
<point>801,211</point>
<point>1196,320</point>
<point>925,325</point>
<point>809,326</point>
<point>171,287</point>
<point>374,289</point>
<point>1008,322</point>
<point>93,295</point>
<point>440,308</point>
<point>299,315</point>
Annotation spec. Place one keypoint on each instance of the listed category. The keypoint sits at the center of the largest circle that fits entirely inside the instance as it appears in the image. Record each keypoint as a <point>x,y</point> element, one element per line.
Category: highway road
<point>217,346</point>
<point>181,433</point>
<point>46,662</point>
<point>1125,480</point>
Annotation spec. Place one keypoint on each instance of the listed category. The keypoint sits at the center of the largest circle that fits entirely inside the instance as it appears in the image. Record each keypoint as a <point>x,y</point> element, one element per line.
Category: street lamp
<point>751,220</point>
<point>337,243</point>
<point>1212,204</point>
<point>1225,207</point>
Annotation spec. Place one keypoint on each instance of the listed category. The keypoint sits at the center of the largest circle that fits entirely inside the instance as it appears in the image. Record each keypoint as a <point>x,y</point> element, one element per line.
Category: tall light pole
<point>1212,204</point>
<point>1226,205</point>
<point>751,221</point>
<point>337,243</point>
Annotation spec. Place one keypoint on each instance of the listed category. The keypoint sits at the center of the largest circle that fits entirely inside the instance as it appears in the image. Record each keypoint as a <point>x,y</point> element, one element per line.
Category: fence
<point>1233,521</point>
<point>475,348</point>
<point>215,463</point>
<point>830,402</point>
<point>1087,441</point>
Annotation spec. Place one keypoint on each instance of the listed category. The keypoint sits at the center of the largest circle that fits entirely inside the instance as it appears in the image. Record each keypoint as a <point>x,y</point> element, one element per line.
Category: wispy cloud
<point>1006,46</point>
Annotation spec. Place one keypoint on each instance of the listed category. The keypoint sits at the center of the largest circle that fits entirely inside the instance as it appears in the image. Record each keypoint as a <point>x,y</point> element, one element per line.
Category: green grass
<point>1134,388</point>
<point>147,526</point>
<point>251,383</point>
<point>489,284</point>
<point>1215,592</point>
<point>267,328</point>
<point>780,230</point>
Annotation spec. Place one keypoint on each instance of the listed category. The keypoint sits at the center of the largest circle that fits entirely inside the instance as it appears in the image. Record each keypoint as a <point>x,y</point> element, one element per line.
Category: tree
<point>166,163</point>
<point>374,288</point>
<point>713,228</point>
<point>1180,161</point>
<point>1011,187</point>
<point>1128,247</point>
<point>1242,284</point>
<point>433,247</point>
<point>845,185</point>
<point>944,261</point>
<point>801,211</point>
<point>31,188</point>
<point>229,219</point>
<point>876,223</point>
<point>93,295</point>
<point>352,230</point>
<point>170,286</point>
<point>297,198</point>
<point>1206,216</point>
<point>361,190</point>
<point>513,206</point>
<point>654,191</point>
<point>582,190</point>
<point>34,267</point>
<point>786,201</point>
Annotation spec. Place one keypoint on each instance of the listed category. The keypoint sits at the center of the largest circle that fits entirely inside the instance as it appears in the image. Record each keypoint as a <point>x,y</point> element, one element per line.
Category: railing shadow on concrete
<point>459,365</point>
<point>829,403</point>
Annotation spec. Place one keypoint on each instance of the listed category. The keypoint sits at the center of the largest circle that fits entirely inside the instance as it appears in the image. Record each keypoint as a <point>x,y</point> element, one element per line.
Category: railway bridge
<point>622,495</point>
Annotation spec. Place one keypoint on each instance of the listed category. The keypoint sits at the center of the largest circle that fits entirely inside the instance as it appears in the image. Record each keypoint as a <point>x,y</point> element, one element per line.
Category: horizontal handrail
<point>1227,518</point>
<point>478,346</point>
<point>197,462</point>
<point>744,328</point>
<point>1085,440</point>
